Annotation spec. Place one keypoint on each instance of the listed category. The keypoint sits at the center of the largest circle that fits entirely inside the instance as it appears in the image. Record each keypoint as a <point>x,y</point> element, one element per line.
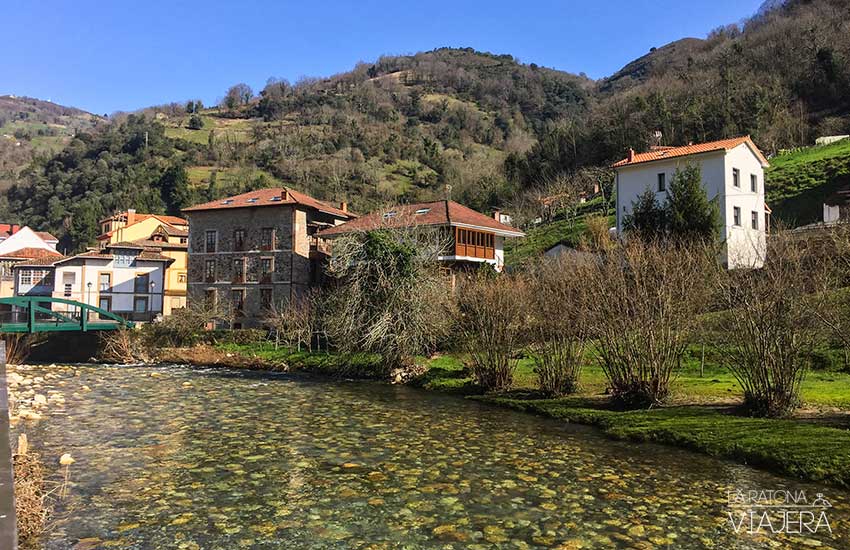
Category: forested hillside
<point>31,127</point>
<point>486,129</point>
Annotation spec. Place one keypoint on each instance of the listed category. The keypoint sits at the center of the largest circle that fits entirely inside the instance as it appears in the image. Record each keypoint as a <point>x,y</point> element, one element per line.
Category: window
<point>105,303</point>
<point>181,277</point>
<point>211,241</point>
<point>67,291</point>
<point>140,304</point>
<point>267,238</point>
<point>210,297</point>
<point>736,216</point>
<point>141,283</point>
<point>239,269</point>
<point>238,298</point>
<point>209,271</point>
<point>266,298</point>
<point>754,183</point>
<point>123,259</point>
<point>239,239</point>
<point>184,240</point>
<point>754,216</point>
<point>423,211</point>
<point>266,265</point>
<point>662,182</point>
<point>105,282</point>
<point>68,280</point>
<point>736,177</point>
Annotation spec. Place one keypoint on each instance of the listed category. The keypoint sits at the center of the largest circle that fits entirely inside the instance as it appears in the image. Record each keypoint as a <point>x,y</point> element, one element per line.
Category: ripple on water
<point>207,458</point>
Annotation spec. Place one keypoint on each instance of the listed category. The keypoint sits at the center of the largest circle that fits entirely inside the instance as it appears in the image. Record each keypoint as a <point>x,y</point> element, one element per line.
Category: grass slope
<point>799,182</point>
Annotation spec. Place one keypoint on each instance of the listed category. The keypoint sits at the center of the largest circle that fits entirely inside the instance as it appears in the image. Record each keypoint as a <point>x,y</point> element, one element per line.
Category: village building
<point>469,238</point>
<point>124,278</point>
<point>18,244</point>
<point>732,175</point>
<point>258,250</point>
<point>168,234</point>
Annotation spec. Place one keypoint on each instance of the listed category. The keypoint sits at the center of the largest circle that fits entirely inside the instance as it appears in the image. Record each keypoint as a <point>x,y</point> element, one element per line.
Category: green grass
<point>539,239</point>
<point>800,181</point>
<point>797,449</point>
<point>228,178</point>
<point>226,129</point>
<point>328,364</point>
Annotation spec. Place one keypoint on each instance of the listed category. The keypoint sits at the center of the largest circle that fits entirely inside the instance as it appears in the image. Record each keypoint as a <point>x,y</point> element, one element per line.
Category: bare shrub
<point>122,346</point>
<point>18,348</point>
<point>491,311</point>
<point>31,507</point>
<point>557,324</point>
<point>643,301</point>
<point>772,324</point>
<point>295,322</point>
<point>389,297</point>
<point>184,326</point>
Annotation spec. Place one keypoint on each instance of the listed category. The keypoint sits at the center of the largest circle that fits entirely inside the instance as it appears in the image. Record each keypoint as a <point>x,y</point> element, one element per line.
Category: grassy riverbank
<point>701,417</point>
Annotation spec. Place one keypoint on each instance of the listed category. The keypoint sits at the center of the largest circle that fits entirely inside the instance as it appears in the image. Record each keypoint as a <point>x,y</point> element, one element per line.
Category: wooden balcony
<point>475,244</point>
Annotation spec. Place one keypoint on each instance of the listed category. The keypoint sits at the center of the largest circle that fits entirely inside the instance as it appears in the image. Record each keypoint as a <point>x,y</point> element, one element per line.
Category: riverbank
<point>814,446</point>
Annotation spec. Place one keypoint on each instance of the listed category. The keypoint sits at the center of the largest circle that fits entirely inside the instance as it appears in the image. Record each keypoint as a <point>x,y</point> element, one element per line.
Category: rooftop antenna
<point>657,135</point>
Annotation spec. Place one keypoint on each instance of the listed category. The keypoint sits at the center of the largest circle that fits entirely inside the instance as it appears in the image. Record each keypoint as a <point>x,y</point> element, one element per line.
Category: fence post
<point>8,527</point>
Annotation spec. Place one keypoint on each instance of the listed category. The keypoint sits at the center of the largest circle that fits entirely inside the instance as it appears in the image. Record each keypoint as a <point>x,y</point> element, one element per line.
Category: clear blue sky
<point>111,55</point>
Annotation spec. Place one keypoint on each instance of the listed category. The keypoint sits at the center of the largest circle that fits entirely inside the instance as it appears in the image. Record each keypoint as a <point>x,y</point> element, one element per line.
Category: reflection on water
<point>189,458</point>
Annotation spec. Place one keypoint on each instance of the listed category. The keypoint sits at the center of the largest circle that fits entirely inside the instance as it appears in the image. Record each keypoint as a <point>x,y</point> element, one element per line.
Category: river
<point>189,458</point>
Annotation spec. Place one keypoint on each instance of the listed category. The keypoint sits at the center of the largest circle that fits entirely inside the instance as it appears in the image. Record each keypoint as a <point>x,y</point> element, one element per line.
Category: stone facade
<point>291,259</point>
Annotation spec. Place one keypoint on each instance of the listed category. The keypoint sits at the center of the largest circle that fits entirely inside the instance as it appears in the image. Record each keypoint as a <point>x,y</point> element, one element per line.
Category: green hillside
<point>799,182</point>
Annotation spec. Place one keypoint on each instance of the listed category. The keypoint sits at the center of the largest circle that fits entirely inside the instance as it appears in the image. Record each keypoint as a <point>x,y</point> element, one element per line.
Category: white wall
<point>24,238</point>
<point>744,247</point>
<point>122,290</point>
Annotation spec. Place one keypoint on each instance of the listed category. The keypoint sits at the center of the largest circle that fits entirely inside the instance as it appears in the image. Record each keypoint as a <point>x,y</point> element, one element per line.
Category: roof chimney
<point>343,206</point>
<point>631,155</point>
<point>284,195</point>
<point>497,215</point>
<point>14,228</point>
<point>131,216</point>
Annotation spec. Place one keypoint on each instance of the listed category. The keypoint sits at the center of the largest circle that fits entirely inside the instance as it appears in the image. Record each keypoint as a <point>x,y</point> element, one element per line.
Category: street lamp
<point>153,284</point>
<point>88,301</point>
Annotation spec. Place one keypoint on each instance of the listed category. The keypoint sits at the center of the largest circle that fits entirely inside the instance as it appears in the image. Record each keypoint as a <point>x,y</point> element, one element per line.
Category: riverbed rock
<point>66,459</point>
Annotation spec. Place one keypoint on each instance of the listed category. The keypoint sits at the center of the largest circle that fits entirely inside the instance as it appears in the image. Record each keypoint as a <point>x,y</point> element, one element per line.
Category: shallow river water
<point>187,458</point>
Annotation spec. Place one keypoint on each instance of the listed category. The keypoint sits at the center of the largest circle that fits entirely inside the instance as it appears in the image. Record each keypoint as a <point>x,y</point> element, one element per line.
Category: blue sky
<point>105,56</point>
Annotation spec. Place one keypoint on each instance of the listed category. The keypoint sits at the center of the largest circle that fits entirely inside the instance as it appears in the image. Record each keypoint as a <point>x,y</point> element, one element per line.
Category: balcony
<point>239,278</point>
<point>266,278</point>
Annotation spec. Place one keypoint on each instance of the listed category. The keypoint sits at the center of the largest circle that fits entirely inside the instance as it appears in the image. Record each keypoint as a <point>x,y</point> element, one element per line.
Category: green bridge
<point>33,314</point>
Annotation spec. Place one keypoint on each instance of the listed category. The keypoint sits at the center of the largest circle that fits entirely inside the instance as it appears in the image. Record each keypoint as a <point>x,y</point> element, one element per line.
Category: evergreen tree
<point>688,213</point>
<point>647,217</point>
<point>174,188</point>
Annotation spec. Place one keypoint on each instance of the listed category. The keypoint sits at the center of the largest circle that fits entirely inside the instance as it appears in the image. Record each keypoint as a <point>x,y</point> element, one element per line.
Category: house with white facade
<point>732,175</point>
<point>18,244</point>
<point>124,278</point>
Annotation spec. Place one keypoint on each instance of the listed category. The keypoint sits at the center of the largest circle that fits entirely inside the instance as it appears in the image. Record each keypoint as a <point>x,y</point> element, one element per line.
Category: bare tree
<point>389,297</point>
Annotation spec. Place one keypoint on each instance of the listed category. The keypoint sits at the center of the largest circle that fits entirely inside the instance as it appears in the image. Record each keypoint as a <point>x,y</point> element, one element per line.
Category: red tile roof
<point>31,253</point>
<point>40,262</point>
<point>664,153</point>
<point>425,213</point>
<point>45,236</point>
<point>274,196</point>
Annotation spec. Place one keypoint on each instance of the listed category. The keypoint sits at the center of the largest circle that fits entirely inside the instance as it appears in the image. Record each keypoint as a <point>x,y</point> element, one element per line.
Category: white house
<point>124,278</point>
<point>732,174</point>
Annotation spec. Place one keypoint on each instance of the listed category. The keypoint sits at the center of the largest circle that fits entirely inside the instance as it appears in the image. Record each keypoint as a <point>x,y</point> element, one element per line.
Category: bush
<point>491,312</point>
<point>643,300</point>
<point>772,324</point>
<point>557,323</point>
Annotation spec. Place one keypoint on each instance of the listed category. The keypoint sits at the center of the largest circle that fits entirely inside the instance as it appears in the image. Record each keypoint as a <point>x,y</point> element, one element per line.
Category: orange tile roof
<point>273,196</point>
<point>424,213</point>
<point>664,153</point>
<point>31,254</point>
<point>45,236</point>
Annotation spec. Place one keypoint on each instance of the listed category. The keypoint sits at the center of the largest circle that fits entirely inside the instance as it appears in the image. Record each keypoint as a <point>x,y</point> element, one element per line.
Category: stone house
<point>258,250</point>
